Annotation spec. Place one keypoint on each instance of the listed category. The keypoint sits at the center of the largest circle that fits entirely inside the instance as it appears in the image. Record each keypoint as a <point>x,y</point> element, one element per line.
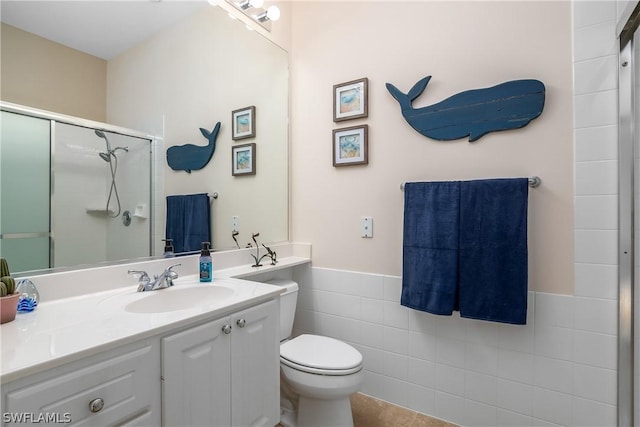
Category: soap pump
<point>205,263</point>
<point>168,248</point>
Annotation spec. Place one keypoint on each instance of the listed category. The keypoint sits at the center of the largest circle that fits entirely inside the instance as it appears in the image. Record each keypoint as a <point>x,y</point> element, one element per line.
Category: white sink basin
<point>179,298</point>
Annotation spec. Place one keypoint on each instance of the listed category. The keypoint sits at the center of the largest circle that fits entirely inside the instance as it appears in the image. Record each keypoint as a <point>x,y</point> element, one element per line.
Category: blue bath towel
<point>430,246</point>
<point>493,250</point>
<point>465,248</point>
<point>188,221</point>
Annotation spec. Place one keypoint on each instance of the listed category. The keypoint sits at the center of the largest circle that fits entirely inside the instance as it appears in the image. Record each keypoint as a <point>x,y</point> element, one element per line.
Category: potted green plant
<point>8,296</point>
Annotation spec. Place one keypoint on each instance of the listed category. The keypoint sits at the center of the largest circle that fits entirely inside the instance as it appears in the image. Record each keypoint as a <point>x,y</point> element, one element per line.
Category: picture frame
<point>350,100</point>
<point>243,123</point>
<point>243,159</point>
<point>351,146</point>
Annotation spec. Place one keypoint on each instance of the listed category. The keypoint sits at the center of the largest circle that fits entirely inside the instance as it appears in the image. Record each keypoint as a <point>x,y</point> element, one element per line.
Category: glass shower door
<point>25,191</point>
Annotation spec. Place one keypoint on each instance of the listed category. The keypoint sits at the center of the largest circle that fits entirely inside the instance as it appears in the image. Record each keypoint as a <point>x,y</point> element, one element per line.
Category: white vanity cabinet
<point>224,372</point>
<point>117,387</point>
<point>215,362</point>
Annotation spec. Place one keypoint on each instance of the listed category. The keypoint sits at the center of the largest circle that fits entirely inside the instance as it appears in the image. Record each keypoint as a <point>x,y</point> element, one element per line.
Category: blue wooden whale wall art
<point>190,157</point>
<point>473,113</point>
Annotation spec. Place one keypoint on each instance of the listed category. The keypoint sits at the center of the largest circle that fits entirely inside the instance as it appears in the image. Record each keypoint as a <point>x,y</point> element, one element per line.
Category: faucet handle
<point>170,274</point>
<point>168,269</point>
<point>143,274</point>
<point>143,281</point>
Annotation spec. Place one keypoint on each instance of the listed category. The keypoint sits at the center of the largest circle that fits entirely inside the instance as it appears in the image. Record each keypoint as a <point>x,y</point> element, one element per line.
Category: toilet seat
<point>320,355</point>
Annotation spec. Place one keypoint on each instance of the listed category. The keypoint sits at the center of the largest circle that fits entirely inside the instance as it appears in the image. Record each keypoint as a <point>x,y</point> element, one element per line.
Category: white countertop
<point>68,329</point>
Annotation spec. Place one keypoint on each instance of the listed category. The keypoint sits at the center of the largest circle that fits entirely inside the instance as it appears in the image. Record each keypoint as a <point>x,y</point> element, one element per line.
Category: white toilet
<point>317,374</point>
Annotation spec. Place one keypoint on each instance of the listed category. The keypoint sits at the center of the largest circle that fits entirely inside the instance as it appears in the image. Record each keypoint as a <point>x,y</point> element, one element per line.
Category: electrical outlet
<point>366,226</point>
<point>234,223</point>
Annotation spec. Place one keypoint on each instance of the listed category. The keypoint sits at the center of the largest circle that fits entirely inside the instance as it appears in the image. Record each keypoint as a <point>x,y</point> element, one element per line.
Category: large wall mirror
<point>191,71</point>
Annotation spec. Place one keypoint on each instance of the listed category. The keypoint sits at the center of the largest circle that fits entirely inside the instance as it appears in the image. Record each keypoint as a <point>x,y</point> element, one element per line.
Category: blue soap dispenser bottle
<point>205,263</point>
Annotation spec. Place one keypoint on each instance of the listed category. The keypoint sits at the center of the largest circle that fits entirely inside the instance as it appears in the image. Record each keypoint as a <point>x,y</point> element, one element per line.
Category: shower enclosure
<point>72,192</point>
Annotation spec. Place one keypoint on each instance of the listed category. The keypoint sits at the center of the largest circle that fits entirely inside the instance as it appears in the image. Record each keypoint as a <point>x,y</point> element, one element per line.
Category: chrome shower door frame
<point>626,189</point>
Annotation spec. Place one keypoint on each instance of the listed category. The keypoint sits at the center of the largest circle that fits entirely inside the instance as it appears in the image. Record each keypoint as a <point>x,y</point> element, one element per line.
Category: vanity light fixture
<point>271,14</point>
<point>254,10</point>
<point>246,4</point>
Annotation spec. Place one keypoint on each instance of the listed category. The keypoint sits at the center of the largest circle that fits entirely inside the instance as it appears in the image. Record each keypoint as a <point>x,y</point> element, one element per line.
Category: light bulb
<point>256,3</point>
<point>273,13</point>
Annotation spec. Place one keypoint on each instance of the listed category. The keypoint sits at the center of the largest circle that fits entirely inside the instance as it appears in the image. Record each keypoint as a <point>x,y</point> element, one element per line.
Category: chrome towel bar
<point>534,181</point>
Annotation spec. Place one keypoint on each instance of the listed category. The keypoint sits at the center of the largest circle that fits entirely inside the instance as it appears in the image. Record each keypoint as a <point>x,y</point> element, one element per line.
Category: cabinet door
<point>196,377</point>
<point>255,365</point>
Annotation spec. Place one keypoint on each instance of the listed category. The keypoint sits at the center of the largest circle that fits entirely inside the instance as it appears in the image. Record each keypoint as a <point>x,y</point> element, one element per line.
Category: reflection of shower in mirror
<point>111,158</point>
<point>75,192</point>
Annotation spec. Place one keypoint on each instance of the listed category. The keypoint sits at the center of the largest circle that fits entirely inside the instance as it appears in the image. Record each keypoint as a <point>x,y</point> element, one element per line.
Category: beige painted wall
<point>463,45</point>
<point>42,74</point>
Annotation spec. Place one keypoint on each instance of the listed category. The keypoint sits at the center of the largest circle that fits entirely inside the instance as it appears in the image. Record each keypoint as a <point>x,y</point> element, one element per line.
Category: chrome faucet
<point>163,281</point>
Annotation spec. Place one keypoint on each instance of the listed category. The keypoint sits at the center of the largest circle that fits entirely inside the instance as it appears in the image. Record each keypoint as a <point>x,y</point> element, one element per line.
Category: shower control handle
<point>241,323</point>
<point>226,329</point>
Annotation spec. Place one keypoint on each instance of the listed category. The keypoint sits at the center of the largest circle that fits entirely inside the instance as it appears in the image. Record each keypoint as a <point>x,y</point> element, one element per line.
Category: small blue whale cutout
<point>190,157</point>
<point>473,113</point>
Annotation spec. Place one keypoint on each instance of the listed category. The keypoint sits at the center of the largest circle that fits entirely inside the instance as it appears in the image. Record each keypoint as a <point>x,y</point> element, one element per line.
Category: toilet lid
<point>320,353</point>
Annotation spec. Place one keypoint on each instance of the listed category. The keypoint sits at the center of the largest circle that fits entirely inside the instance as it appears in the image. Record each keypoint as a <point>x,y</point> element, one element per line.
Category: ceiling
<point>100,28</point>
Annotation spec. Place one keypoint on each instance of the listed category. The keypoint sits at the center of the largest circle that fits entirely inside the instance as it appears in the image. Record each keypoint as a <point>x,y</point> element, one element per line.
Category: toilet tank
<point>288,301</point>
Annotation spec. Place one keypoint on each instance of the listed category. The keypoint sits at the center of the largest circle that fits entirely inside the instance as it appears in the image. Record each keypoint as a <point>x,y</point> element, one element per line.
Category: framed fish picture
<point>244,123</point>
<point>351,146</point>
<point>243,160</point>
<point>350,100</point>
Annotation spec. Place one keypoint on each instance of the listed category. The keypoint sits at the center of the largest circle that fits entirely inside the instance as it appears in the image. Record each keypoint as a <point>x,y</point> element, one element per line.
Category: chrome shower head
<point>105,156</point>
<point>102,135</point>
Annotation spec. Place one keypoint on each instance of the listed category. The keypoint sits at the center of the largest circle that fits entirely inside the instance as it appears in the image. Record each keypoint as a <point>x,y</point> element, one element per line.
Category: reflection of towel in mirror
<point>465,248</point>
<point>188,221</point>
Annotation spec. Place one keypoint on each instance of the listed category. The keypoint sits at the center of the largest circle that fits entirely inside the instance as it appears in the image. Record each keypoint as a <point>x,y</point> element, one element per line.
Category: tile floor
<point>372,412</point>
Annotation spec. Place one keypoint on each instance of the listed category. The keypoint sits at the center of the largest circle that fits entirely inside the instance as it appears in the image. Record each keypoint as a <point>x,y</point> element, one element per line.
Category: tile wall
<point>559,369</point>
<point>596,201</point>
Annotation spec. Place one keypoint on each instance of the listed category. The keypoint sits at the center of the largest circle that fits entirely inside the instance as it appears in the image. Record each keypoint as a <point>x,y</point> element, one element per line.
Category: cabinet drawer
<point>120,388</point>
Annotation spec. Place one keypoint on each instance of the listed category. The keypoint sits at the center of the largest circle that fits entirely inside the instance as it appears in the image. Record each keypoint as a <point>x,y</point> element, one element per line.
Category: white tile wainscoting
<point>559,369</point>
